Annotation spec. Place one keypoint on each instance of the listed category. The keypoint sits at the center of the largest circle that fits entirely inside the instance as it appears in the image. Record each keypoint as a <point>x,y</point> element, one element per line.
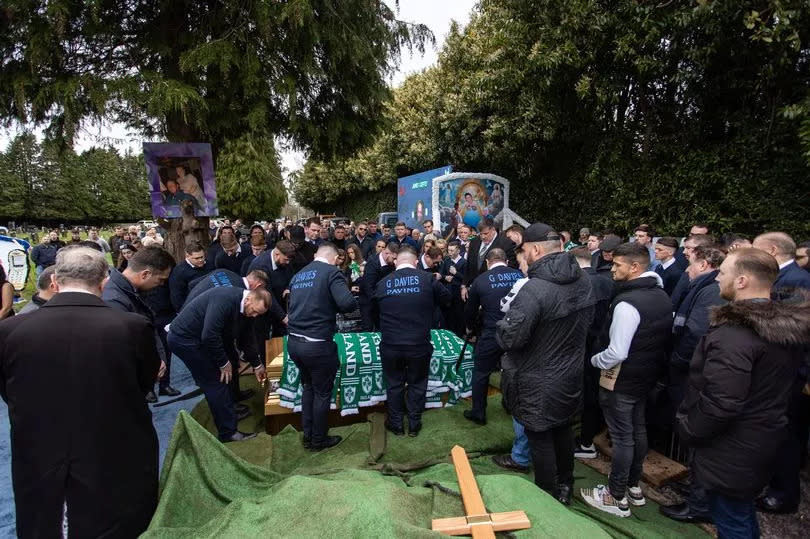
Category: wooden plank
<point>272,348</point>
<point>657,469</point>
<point>473,503</point>
<point>510,520</point>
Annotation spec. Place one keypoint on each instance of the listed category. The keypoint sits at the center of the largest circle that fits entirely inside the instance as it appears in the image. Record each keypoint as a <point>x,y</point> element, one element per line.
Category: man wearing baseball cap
<point>543,335</point>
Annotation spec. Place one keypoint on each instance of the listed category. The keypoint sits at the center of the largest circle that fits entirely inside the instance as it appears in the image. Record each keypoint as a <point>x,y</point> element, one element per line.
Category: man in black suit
<point>377,267</point>
<point>202,336</point>
<point>452,275</point>
<point>304,250</point>
<point>193,267</point>
<point>82,433</point>
<point>488,237</point>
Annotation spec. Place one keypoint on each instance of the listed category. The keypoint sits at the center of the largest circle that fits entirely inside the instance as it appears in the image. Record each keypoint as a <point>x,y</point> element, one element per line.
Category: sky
<point>437,15</point>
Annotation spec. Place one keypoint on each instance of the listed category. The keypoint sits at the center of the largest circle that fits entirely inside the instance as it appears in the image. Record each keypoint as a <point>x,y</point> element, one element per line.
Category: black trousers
<point>785,483</point>
<point>552,457</point>
<point>486,356</point>
<point>406,365</point>
<point>592,418</point>
<point>165,380</point>
<point>318,363</point>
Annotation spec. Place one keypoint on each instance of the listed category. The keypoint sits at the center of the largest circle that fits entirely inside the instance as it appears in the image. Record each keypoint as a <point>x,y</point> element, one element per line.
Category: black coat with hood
<point>543,335</point>
<point>742,376</point>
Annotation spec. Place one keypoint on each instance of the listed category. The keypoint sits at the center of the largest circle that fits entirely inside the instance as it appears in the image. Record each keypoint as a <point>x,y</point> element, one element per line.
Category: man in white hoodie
<point>640,319</point>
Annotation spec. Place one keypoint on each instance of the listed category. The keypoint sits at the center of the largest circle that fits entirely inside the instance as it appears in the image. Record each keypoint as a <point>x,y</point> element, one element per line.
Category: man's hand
<point>226,373</point>
<point>162,369</point>
<point>355,289</point>
<point>438,276</point>
<point>261,373</point>
<point>449,278</point>
<point>463,293</point>
<point>286,320</point>
<point>452,270</point>
<point>285,293</point>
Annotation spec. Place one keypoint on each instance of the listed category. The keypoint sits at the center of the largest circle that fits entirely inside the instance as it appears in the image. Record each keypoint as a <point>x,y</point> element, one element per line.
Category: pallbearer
<point>484,303</point>
<point>317,293</point>
<point>407,298</point>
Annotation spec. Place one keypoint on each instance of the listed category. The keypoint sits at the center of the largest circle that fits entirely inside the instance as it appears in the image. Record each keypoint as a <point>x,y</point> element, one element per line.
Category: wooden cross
<point>477,522</point>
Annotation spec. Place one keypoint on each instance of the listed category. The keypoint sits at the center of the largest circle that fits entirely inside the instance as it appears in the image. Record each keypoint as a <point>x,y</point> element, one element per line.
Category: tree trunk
<point>184,230</point>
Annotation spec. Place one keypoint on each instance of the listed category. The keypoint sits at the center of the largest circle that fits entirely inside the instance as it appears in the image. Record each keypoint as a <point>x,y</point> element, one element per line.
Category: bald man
<point>782,247</point>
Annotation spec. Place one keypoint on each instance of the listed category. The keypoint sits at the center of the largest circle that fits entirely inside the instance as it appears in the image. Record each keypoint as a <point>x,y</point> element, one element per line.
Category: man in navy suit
<point>669,270</point>
<point>782,247</point>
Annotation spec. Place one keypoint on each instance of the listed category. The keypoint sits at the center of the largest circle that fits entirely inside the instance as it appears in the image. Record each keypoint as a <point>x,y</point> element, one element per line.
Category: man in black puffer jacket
<point>543,335</point>
<point>741,380</point>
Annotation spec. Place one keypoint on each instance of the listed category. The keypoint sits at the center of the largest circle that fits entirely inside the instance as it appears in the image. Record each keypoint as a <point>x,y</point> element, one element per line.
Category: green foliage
<point>43,183</point>
<point>249,183</point>
<point>311,70</point>
<point>609,115</point>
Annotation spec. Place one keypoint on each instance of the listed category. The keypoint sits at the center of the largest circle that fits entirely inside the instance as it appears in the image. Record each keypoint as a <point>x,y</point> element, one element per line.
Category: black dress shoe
<point>564,493</point>
<point>239,407</point>
<point>505,461</point>
<point>239,436</point>
<point>169,391</point>
<point>306,442</point>
<point>242,414</point>
<point>682,513</point>
<point>151,398</point>
<point>413,430</point>
<point>245,394</point>
<point>775,505</point>
<point>469,414</point>
<point>395,431</point>
<point>330,441</point>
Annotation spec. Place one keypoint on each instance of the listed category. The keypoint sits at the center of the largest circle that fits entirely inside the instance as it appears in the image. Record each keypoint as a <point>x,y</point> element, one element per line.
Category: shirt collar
<point>422,260</point>
<point>242,303</point>
<point>457,258</point>
<point>496,265</point>
<point>668,263</point>
<point>402,266</point>
<point>382,260</point>
<point>75,289</point>
<point>321,259</point>
<point>273,264</point>
<point>783,265</point>
<point>247,285</point>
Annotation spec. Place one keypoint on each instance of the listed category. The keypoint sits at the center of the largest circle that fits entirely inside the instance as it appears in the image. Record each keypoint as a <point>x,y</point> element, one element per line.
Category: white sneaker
<point>601,498</point>
<point>585,451</point>
<point>636,496</point>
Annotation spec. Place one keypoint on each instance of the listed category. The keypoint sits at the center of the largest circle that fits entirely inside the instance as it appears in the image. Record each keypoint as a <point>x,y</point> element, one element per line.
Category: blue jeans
<point>734,519</point>
<point>520,447</point>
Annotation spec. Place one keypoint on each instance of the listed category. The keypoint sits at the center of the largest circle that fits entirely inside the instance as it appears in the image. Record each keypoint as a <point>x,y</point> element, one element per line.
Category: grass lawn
<point>31,284</point>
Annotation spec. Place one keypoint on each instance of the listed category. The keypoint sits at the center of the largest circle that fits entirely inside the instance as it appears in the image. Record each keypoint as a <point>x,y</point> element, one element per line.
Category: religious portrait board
<point>468,197</point>
<point>180,173</point>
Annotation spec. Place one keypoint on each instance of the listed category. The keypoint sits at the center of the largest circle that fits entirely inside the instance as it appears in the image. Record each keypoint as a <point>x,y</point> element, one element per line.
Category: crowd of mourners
<point>702,339</point>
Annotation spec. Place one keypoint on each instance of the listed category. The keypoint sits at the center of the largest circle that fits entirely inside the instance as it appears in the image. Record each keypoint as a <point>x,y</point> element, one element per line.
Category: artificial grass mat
<point>272,485</point>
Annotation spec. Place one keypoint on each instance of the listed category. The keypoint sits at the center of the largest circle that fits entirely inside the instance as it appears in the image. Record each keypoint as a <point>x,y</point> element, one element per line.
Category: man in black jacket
<point>741,377</point>
<point>276,264</point>
<point>317,293</point>
<point>405,349</point>
<point>232,256</point>
<point>377,267</point>
<point>488,237</point>
<point>592,419</point>
<point>202,336</point>
<point>82,434</point>
<point>362,240</point>
<point>484,303</point>
<point>193,267</point>
<point>147,269</point>
<point>631,362</point>
<point>690,325</point>
<point>544,335</point>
